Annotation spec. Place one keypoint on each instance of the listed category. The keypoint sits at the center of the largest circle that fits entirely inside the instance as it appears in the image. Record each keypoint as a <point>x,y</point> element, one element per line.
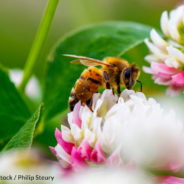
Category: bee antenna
<point>140,84</point>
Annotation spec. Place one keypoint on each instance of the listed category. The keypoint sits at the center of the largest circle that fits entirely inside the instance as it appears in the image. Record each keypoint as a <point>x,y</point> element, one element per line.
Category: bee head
<point>129,76</point>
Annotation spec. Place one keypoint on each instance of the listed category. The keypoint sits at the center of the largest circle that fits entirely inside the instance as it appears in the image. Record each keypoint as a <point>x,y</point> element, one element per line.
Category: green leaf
<point>97,41</point>
<point>47,137</point>
<point>13,110</point>
<point>24,137</point>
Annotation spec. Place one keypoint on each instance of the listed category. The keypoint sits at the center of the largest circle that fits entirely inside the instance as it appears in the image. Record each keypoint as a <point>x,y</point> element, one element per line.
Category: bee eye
<point>127,73</point>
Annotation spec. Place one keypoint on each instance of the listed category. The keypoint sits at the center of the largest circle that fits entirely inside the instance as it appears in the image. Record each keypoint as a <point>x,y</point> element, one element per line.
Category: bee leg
<point>113,91</point>
<point>140,84</point>
<point>106,77</point>
<point>118,87</point>
<point>89,104</point>
<point>118,90</point>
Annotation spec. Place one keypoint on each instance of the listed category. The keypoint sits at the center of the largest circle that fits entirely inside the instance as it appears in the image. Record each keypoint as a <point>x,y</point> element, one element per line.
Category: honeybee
<point>114,73</point>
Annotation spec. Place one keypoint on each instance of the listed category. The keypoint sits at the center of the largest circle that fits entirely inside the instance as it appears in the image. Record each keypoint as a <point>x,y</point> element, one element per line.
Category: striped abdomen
<point>88,83</point>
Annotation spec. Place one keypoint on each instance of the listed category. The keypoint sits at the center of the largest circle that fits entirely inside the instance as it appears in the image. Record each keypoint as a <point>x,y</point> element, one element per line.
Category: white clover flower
<point>151,136</point>
<point>108,176</point>
<point>167,54</point>
<point>126,130</point>
<point>173,25</point>
<point>27,166</point>
<point>33,89</point>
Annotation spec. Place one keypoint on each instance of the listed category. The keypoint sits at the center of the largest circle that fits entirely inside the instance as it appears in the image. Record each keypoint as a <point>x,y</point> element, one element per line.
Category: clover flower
<point>33,89</point>
<point>83,142</point>
<point>110,175</point>
<point>23,165</point>
<point>171,180</point>
<point>167,54</point>
<point>127,131</point>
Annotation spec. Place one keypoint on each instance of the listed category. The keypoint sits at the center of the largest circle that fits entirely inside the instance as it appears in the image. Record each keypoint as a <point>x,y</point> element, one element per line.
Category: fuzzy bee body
<point>114,72</point>
<point>88,84</point>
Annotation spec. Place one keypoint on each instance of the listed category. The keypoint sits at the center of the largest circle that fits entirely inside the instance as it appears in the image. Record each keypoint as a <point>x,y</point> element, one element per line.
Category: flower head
<point>171,180</point>
<point>83,142</point>
<point>126,131</point>
<point>33,89</point>
<point>24,163</point>
<point>167,55</point>
<point>110,175</point>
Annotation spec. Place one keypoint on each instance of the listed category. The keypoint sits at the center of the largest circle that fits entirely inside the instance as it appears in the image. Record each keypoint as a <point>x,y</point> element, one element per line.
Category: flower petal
<point>158,41</point>
<point>97,154</point>
<point>162,70</point>
<point>85,149</point>
<point>173,91</point>
<point>164,23</point>
<point>155,50</point>
<point>67,146</point>
<point>77,160</point>
<point>66,134</point>
<point>53,150</point>
<point>90,136</point>
<point>114,159</point>
<point>147,70</point>
<point>172,51</point>
<point>161,81</point>
<point>152,58</point>
<point>175,20</point>
<point>76,119</point>
<point>171,180</point>
<point>178,79</point>
<point>172,62</point>
<point>63,157</point>
<point>86,117</point>
<point>77,133</point>
<point>105,103</point>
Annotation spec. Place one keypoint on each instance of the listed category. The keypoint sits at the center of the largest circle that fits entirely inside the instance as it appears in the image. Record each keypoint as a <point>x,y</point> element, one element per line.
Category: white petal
<point>141,95</point>
<point>60,152</point>
<point>164,23</point>
<point>175,20</point>
<point>172,62</point>
<point>96,96</point>
<point>147,70</point>
<point>105,103</point>
<point>126,94</point>
<point>155,50</point>
<point>176,53</point>
<point>175,44</point>
<point>70,117</point>
<point>110,135</point>
<point>152,58</point>
<point>158,41</point>
<point>77,133</point>
<point>109,175</point>
<point>91,137</point>
<point>86,117</point>
<point>96,125</point>
<point>66,134</point>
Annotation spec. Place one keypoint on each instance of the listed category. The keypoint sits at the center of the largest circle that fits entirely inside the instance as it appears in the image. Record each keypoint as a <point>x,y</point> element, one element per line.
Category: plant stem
<point>38,43</point>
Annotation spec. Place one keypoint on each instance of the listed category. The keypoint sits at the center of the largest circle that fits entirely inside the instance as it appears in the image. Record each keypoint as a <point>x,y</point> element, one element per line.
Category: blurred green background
<point>19,20</point>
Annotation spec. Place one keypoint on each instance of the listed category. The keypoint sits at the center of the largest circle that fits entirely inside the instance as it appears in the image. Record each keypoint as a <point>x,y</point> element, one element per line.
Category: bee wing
<point>86,61</point>
<point>83,62</point>
<point>76,61</point>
